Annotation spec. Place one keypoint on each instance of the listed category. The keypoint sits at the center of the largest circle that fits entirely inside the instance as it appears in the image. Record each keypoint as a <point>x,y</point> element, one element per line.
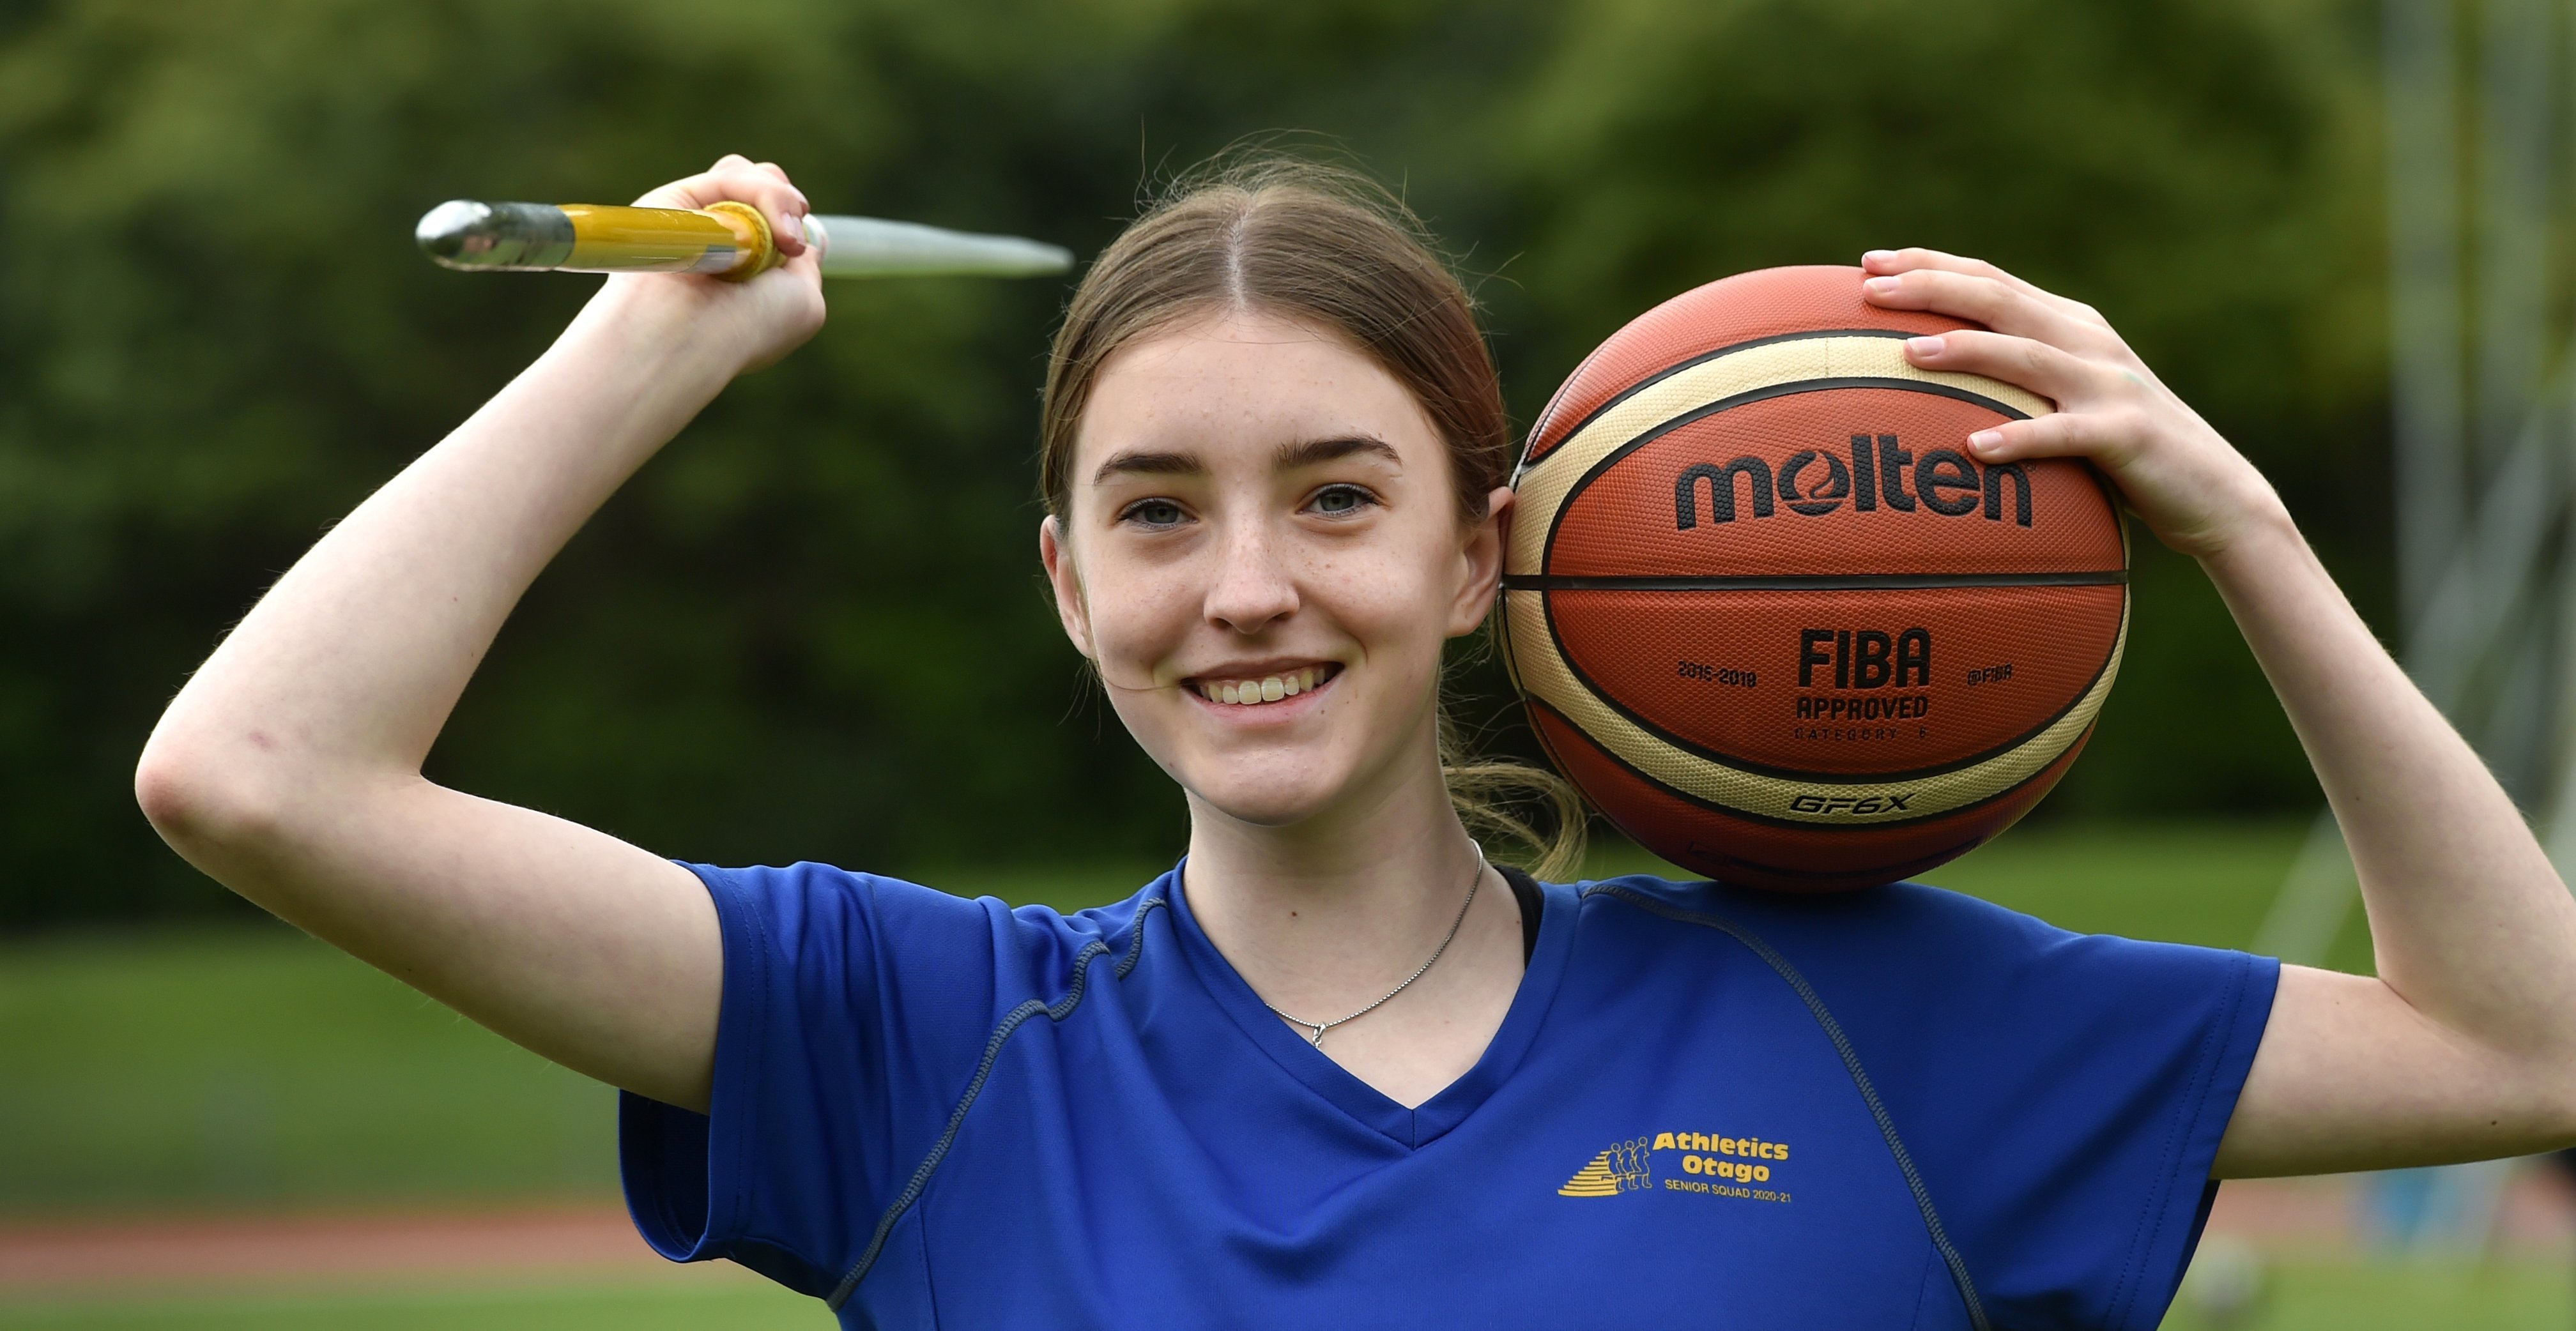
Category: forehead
<point>1235,385</point>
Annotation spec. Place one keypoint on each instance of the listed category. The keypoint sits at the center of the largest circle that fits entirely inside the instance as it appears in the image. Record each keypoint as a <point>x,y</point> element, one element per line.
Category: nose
<point>1253,589</point>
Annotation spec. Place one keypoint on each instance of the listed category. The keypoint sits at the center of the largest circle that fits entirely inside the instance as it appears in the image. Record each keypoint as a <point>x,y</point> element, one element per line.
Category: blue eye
<point>1341,500</point>
<point>1154,513</point>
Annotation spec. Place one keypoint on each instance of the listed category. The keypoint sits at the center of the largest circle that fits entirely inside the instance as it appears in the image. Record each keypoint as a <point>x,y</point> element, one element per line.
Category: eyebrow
<point>1139,462</point>
<point>1288,457</point>
<point>1311,451</point>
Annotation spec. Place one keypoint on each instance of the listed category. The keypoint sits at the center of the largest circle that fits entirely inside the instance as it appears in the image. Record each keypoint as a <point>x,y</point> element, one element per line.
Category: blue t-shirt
<point>1706,1106</point>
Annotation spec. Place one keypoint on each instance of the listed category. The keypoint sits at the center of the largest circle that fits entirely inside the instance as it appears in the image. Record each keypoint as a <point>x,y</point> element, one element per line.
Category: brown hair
<point>1331,247</point>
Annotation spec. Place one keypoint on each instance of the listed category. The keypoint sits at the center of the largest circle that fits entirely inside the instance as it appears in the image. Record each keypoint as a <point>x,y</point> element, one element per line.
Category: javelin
<point>728,240</point>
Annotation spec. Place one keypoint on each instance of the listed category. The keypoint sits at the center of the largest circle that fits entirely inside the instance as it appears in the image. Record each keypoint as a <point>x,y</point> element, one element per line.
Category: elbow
<point>202,805</point>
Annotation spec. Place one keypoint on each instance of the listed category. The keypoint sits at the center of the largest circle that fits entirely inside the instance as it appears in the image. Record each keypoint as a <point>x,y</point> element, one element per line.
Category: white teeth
<point>1246,692</point>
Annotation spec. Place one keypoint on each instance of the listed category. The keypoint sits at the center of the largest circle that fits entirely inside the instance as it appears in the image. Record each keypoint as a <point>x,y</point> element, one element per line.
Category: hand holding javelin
<point>742,325</point>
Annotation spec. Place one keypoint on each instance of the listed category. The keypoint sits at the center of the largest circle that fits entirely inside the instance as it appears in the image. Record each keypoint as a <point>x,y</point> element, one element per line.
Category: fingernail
<point>1986,441</point>
<point>1925,346</point>
<point>1878,256</point>
<point>1882,286</point>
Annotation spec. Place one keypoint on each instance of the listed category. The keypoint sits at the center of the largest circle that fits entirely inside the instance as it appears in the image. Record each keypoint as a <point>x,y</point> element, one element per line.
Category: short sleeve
<point>2063,1095</point>
<point>854,1008</point>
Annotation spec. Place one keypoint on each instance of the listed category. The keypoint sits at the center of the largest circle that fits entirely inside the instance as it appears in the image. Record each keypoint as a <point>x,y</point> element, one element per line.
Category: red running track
<point>558,1240</point>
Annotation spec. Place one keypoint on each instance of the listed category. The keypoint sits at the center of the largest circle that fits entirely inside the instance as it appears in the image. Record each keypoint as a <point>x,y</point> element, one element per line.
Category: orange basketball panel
<point>1829,684</point>
<point>1851,480</point>
<point>1724,313</point>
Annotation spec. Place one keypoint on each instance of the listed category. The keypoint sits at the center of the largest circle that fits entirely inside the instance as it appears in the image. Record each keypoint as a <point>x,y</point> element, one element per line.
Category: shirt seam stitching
<point>1002,1032</point>
<point>1824,1017</point>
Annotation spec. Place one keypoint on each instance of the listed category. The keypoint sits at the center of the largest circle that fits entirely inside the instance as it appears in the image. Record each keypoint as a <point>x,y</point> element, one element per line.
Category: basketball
<point>1773,618</point>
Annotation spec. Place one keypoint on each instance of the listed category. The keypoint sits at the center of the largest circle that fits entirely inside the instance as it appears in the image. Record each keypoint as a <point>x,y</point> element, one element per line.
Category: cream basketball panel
<point>1544,486</point>
<point>1541,672</point>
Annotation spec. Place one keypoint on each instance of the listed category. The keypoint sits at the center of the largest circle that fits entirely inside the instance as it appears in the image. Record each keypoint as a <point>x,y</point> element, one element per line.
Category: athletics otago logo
<point>1622,1168</point>
<point>1724,1165</point>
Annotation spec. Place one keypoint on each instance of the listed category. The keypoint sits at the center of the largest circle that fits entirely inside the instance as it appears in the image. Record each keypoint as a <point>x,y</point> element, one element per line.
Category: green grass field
<point>2302,1296</point>
<point>252,1067</point>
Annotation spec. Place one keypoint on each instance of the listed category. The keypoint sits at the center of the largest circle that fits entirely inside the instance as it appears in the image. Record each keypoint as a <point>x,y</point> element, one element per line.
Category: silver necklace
<point>1315,1029</point>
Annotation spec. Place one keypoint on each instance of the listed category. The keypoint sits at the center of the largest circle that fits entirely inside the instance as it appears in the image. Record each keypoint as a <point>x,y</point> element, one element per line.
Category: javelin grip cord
<point>727,240</point>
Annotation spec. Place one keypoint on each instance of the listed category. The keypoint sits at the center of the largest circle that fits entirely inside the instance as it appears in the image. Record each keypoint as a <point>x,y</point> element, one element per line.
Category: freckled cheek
<point>1391,615</point>
<point>1140,621</point>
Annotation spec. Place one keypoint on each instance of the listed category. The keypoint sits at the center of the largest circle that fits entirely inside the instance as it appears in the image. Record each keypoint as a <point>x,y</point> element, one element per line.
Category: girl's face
<point>1263,557</point>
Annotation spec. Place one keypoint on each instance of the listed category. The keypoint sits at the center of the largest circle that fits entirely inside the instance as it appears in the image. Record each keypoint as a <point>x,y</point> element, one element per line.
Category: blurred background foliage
<point>814,628</point>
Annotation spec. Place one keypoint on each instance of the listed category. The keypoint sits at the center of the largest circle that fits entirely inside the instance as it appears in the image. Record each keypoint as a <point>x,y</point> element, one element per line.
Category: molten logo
<point>1814,483</point>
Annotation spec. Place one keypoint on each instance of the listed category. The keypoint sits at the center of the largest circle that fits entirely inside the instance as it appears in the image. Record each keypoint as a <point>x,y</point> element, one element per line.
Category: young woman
<point>1336,1069</point>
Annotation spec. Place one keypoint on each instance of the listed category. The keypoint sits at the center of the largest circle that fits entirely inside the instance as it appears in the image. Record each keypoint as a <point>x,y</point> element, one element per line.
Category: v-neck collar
<point>1368,1105</point>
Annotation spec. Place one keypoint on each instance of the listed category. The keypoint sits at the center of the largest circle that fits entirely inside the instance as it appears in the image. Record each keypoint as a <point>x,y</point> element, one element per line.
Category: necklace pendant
<point>1316,1038</point>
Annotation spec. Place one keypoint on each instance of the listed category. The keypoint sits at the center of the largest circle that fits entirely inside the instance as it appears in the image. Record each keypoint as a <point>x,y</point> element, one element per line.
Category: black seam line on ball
<point>1833,1030</point>
<point>1702,751</point>
<point>1751,395</point>
<point>1806,582</point>
<point>1703,358</point>
<point>1803,824</point>
<point>1011,1022</point>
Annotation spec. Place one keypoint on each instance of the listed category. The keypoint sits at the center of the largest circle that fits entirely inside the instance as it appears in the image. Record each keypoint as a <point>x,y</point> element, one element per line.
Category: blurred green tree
<point>814,628</point>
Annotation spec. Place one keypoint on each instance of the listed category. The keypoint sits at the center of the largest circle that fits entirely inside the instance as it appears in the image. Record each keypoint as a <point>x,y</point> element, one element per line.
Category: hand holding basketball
<point>2192,488</point>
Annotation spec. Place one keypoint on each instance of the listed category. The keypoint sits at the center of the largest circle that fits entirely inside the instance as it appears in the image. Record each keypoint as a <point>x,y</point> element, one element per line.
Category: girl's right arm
<point>289,767</point>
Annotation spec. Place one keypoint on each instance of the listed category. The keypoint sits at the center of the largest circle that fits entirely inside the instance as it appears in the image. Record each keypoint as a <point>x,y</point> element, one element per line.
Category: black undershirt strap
<point>1525,891</point>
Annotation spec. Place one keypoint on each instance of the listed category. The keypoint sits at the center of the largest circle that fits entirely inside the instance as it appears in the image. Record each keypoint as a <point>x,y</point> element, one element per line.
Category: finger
<point>2104,437</point>
<point>773,194</point>
<point>1890,263</point>
<point>738,179</point>
<point>2052,372</point>
<point>788,216</point>
<point>778,172</point>
<point>681,193</point>
<point>1989,301</point>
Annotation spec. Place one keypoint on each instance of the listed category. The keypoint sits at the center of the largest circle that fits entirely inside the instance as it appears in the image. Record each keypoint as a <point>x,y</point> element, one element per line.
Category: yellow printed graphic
<point>1725,1165</point>
<point>1593,1180</point>
<point>1622,1168</point>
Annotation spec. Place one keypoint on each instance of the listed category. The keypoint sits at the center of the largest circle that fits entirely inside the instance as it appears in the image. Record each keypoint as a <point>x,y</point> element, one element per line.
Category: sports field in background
<point>252,1070</point>
<point>2305,1296</point>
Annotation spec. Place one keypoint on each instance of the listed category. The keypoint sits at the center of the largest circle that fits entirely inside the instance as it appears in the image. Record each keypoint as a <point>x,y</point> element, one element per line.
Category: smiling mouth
<point>1268,688</point>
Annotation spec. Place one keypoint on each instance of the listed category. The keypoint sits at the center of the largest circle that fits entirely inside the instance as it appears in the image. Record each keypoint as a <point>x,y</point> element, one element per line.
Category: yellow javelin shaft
<point>727,240</point>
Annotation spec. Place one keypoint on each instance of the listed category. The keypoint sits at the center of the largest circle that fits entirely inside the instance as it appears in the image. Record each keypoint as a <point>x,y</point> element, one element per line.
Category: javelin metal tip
<point>445,230</point>
<point>469,234</point>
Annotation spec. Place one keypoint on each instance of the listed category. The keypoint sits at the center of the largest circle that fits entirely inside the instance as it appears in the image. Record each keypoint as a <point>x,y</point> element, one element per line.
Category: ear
<point>1481,561</point>
<point>1070,611</point>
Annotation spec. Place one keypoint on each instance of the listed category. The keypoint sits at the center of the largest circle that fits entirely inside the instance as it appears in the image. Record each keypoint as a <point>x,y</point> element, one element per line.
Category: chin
<point>1266,795</point>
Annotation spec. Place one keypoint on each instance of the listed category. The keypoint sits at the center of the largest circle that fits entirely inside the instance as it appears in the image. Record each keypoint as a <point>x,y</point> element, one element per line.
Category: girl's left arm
<point>2464,1045</point>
